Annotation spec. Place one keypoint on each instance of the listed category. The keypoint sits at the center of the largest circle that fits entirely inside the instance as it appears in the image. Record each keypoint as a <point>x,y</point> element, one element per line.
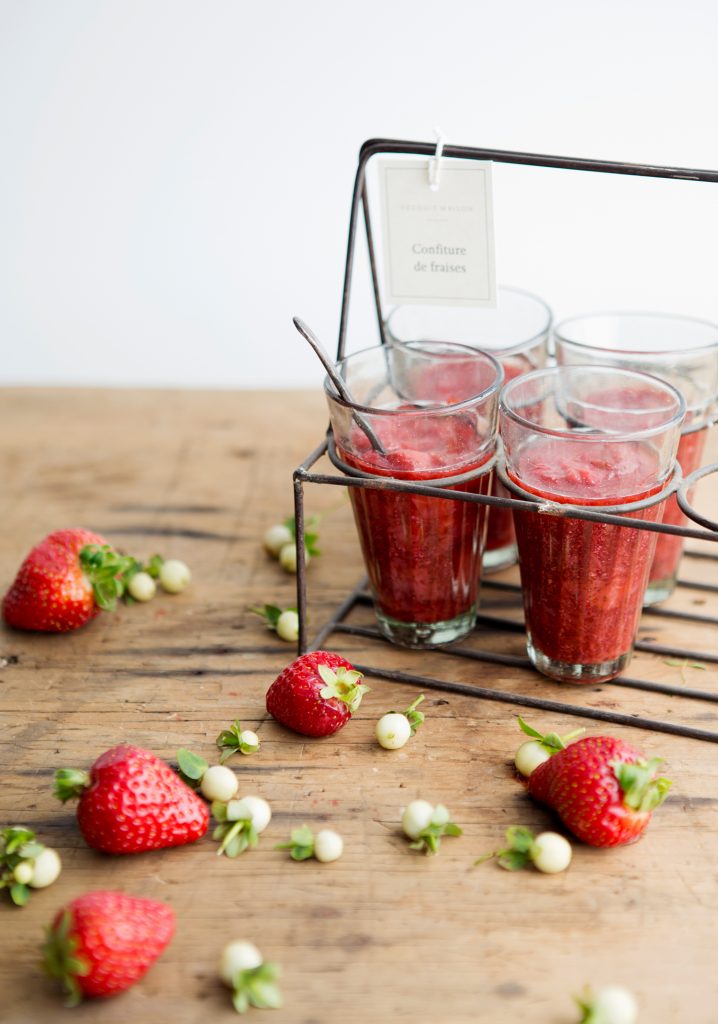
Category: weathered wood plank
<point>382,934</point>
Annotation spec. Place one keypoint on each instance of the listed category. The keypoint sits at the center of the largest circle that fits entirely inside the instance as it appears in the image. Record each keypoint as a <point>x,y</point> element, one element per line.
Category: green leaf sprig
<point>257,986</point>
<point>230,741</point>
<point>235,835</point>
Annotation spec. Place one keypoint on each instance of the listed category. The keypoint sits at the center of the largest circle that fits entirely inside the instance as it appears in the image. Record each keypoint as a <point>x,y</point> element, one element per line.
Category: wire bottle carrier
<point>499,623</point>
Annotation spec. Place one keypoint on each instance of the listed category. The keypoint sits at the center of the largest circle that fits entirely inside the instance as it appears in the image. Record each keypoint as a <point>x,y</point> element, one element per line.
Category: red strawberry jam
<point>670,548</point>
<point>423,555</point>
<point>583,582</point>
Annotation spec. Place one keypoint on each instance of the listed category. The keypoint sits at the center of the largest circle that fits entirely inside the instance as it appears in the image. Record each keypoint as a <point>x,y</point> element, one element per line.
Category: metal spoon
<point>308,334</point>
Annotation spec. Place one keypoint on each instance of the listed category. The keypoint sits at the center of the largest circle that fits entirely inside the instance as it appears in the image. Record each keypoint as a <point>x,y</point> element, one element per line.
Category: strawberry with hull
<point>72,575</point>
<point>316,694</point>
<point>103,942</point>
<point>602,788</point>
<point>132,802</point>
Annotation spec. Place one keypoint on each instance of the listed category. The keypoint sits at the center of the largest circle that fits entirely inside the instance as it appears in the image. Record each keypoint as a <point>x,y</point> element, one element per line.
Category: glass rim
<point>433,410</point>
<point>599,434</point>
<point>558,331</point>
<point>545,330</point>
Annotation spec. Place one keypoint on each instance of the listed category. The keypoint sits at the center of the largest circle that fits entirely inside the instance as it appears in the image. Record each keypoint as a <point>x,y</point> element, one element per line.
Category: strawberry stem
<point>61,961</point>
<point>70,783</point>
<point>641,791</point>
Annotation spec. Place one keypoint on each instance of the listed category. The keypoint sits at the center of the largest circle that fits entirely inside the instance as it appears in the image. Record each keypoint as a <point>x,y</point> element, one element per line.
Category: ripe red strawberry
<point>131,801</point>
<point>103,942</point>
<point>65,581</point>
<point>603,789</point>
<point>316,695</point>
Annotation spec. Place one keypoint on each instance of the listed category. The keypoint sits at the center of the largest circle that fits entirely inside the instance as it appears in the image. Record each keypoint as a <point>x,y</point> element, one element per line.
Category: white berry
<point>249,737</point>
<point>46,868</point>
<point>276,537</point>
<point>219,783</point>
<point>238,956</point>
<point>614,1004</point>
<point>393,730</point>
<point>251,808</point>
<point>288,557</point>
<point>288,625</point>
<point>328,845</point>
<point>174,576</point>
<point>142,587</point>
<point>416,817</point>
<point>551,853</point>
<point>529,756</point>
<point>23,872</point>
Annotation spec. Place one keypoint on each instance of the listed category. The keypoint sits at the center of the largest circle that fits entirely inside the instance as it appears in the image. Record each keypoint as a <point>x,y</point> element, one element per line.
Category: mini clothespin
<point>435,162</point>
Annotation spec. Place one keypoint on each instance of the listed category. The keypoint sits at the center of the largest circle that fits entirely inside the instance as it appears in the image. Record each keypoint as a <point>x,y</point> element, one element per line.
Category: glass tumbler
<point>516,332</point>
<point>432,409</point>
<point>580,437</point>
<point>681,350</point>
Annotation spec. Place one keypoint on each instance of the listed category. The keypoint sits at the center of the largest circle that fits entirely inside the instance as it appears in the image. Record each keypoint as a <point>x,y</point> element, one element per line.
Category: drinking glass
<point>578,437</point>
<point>433,409</point>
<point>515,332</point>
<point>679,349</point>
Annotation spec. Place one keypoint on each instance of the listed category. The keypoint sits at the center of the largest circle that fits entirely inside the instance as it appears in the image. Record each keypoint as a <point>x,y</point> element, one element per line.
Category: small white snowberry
<point>529,756</point>
<point>238,956</point>
<point>288,557</point>
<point>416,817</point>
<point>23,872</point>
<point>614,1004</point>
<point>249,737</point>
<point>250,808</point>
<point>393,730</point>
<point>219,783</point>
<point>276,537</point>
<point>46,868</point>
<point>550,853</point>
<point>142,587</point>
<point>288,625</point>
<point>328,846</point>
<point>174,576</point>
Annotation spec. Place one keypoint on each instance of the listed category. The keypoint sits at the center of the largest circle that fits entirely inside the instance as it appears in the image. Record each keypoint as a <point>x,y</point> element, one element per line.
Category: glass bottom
<point>421,635</point>
<point>659,590</point>
<point>500,558</point>
<point>568,672</point>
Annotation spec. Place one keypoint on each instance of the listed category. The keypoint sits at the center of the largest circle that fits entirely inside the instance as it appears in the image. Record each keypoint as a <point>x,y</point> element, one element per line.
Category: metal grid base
<point>359,597</point>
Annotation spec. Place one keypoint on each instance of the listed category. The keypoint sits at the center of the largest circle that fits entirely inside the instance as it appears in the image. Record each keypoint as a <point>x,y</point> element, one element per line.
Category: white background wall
<point>175,176</point>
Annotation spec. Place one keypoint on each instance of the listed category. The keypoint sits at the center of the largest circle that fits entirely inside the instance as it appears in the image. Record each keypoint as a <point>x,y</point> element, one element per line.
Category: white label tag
<point>438,245</point>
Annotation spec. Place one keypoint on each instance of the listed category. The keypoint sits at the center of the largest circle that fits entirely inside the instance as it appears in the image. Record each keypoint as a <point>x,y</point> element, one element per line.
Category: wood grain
<point>383,934</point>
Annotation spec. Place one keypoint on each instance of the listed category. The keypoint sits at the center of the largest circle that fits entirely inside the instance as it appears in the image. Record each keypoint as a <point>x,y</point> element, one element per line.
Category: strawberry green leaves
<point>343,684</point>
<point>70,783</point>
<point>641,790</point>
<point>61,960</point>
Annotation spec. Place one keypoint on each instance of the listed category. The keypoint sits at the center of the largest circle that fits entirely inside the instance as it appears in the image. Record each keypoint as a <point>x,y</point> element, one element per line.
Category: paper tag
<point>438,245</point>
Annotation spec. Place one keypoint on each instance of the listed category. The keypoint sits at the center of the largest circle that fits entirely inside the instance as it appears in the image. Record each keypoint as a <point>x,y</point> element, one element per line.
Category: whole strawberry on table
<point>103,942</point>
<point>602,788</point>
<point>316,694</point>
<point>73,574</point>
<point>131,802</point>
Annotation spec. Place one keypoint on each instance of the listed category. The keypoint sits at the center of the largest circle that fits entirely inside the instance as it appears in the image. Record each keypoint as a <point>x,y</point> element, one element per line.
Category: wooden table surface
<point>383,934</point>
